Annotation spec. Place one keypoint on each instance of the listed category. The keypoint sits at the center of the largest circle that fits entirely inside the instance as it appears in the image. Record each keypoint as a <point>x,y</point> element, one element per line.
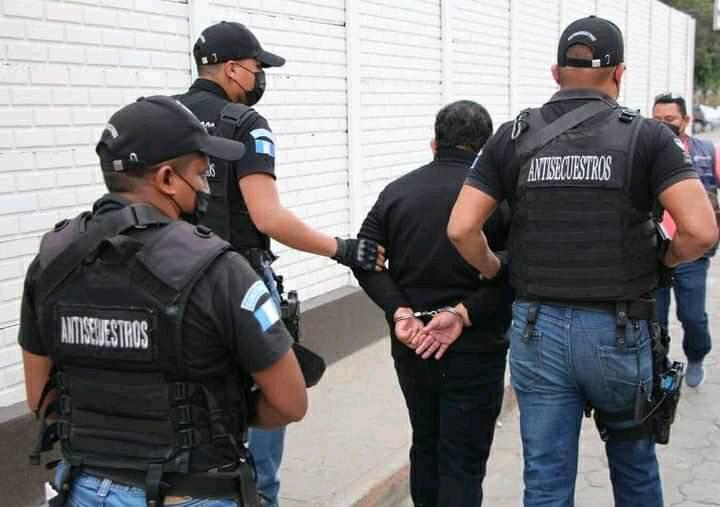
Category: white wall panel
<point>637,55</point>
<point>400,86</point>
<point>659,77</point>
<point>678,78</point>
<point>570,10</point>
<point>64,69</point>
<point>537,51</point>
<point>480,33</point>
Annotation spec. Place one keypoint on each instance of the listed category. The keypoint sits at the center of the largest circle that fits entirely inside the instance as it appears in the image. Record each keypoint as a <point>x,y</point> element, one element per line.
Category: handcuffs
<point>427,316</point>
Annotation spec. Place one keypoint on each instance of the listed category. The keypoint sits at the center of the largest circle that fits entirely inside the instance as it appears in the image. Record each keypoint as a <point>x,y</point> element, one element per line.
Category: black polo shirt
<point>219,333</point>
<point>206,99</point>
<point>658,163</point>
<point>426,272</point>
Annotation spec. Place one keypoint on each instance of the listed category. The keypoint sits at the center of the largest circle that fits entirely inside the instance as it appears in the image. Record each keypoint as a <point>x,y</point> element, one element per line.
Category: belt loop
<point>531,319</point>
<point>621,321</point>
<point>103,491</point>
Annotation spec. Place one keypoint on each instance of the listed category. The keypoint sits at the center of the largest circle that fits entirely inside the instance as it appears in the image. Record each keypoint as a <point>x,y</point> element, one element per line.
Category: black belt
<point>639,309</point>
<point>204,485</point>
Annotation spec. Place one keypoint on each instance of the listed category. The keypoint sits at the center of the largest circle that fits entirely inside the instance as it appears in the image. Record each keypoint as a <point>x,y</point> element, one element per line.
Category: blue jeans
<point>266,446</point>
<point>90,491</point>
<point>571,357</point>
<point>689,284</point>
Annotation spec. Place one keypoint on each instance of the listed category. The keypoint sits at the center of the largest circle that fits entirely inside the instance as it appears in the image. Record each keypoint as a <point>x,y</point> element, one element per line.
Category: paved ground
<point>355,436</point>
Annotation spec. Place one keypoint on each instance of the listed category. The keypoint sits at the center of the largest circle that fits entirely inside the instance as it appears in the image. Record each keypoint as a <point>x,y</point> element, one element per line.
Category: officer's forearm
<point>475,250</point>
<point>268,417</point>
<point>284,226</point>
<point>685,248</point>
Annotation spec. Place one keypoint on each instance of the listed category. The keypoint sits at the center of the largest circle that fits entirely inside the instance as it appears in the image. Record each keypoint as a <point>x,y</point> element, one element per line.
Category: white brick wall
<point>481,58</point>
<point>401,88</point>
<point>65,66</point>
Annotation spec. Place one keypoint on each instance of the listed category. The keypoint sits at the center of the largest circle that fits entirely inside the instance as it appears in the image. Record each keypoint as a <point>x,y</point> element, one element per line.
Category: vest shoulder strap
<point>78,244</point>
<point>181,253</point>
<point>235,118</point>
<point>535,139</point>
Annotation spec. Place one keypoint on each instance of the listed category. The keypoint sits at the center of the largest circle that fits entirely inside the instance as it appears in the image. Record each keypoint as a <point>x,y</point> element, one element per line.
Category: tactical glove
<point>357,253</point>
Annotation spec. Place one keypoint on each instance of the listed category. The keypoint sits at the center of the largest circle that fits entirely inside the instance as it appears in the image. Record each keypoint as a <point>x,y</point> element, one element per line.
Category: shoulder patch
<point>253,295</point>
<point>264,142</point>
<point>267,315</point>
<point>258,133</point>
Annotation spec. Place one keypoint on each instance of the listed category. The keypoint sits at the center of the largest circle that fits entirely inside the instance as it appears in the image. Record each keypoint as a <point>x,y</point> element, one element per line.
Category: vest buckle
<point>64,405</point>
<point>184,415</point>
<point>188,439</point>
<point>627,115</point>
<point>61,381</point>
<point>520,125</point>
<point>180,391</point>
<point>63,430</point>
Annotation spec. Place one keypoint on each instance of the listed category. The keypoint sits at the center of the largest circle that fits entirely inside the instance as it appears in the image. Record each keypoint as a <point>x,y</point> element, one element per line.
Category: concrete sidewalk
<point>352,447</point>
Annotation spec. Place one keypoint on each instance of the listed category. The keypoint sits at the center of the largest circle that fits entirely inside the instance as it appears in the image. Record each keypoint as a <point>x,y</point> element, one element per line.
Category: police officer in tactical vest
<point>146,331</point>
<point>245,208</point>
<point>582,175</point>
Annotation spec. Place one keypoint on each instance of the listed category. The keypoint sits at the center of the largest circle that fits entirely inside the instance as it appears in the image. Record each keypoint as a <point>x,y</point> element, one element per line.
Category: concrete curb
<point>389,485</point>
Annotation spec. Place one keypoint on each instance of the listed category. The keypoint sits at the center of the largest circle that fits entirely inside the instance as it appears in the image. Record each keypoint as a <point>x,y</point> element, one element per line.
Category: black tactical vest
<point>110,298</point>
<point>575,234</point>
<point>227,214</point>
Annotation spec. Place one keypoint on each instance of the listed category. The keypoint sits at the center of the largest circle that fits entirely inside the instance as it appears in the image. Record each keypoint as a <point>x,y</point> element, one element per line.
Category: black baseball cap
<point>602,36</point>
<point>228,40</point>
<point>155,129</point>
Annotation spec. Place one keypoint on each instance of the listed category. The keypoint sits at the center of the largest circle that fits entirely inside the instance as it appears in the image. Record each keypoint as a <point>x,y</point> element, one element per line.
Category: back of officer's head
<point>463,124</point>
<point>590,55</point>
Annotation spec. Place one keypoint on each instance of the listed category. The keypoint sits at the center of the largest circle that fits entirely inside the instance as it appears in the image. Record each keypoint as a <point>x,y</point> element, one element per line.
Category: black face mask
<point>202,200</point>
<point>674,128</point>
<point>253,96</point>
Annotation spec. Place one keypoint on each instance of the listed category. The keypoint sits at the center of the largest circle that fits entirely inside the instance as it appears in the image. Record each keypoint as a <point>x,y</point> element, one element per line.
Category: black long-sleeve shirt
<point>426,272</point>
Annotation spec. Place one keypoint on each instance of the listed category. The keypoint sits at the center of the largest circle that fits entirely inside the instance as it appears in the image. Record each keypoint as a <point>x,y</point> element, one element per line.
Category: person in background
<point>689,279</point>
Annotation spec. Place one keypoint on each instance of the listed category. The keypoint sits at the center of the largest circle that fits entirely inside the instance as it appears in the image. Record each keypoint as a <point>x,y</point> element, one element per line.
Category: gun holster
<point>654,410</point>
<point>311,364</point>
<point>290,313</point>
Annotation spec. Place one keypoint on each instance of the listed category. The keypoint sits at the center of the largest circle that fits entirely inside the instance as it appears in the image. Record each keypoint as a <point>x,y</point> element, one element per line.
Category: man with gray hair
<point>447,325</point>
